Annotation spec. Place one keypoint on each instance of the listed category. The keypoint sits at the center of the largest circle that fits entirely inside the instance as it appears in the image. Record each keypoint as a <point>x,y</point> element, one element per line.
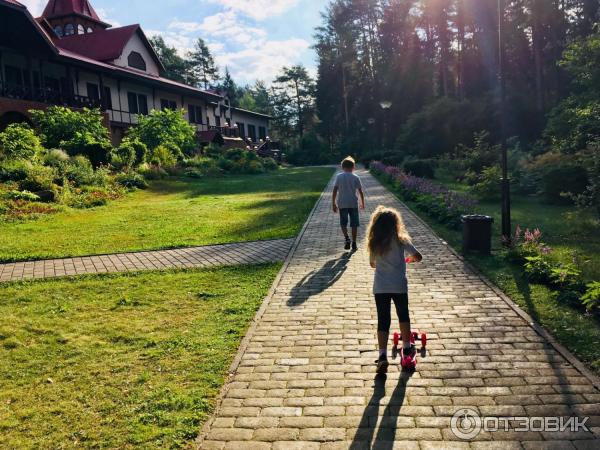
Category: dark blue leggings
<point>384,304</point>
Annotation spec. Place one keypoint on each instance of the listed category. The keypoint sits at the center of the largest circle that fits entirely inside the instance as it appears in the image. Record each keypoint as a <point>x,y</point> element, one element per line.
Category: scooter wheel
<point>424,339</point>
<point>396,339</point>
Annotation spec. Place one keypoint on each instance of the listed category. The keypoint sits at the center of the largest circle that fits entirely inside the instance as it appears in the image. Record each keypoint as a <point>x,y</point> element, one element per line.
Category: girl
<point>389,245</point>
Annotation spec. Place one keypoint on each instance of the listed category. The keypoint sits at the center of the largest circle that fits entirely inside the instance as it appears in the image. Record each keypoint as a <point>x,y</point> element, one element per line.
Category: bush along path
<point>208,256</point>
<point>305,377</point>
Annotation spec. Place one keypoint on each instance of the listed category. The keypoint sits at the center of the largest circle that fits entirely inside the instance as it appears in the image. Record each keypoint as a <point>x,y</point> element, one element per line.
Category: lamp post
<point>506,219</point>
<point>386,105</point>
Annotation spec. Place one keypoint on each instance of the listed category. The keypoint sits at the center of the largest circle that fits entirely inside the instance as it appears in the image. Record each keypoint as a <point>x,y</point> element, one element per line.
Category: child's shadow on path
<point>386,434</point>
<point>318,280</point>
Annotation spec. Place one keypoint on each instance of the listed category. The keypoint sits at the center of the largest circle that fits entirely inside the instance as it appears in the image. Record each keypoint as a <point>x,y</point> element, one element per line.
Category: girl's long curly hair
<point>386,227</point>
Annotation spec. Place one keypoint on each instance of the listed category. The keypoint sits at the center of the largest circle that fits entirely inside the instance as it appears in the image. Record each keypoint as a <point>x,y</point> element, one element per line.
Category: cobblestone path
<point>304,378</point>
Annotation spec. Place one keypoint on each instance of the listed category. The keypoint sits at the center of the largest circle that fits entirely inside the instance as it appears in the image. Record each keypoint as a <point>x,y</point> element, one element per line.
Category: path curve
<point>240,253</point>
<point>304,378</point>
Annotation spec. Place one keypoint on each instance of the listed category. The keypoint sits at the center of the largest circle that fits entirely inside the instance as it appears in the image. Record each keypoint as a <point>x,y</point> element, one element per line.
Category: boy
<point>345,200</point>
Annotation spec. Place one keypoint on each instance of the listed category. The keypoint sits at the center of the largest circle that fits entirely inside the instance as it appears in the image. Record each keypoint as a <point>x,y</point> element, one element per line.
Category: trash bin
<point>477,233</point>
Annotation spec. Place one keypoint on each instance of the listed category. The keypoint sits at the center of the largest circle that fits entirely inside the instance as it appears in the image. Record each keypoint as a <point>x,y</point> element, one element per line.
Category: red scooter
<point>409,361</point>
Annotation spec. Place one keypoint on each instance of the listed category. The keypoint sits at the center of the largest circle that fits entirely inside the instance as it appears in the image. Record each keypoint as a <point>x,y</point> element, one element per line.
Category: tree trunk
<point>538,42</point>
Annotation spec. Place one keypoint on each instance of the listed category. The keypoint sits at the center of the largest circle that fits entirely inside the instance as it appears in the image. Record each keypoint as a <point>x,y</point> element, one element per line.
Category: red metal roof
<point>58,8</point>
<point>101,45</point>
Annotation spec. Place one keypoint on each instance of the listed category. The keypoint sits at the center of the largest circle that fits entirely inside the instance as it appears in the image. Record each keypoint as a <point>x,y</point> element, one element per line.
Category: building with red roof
<point>69,56</point>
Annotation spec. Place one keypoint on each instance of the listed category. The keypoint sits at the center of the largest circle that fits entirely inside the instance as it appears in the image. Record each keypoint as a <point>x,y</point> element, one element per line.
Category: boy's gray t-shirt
<point>348,184</point>
<point>390,271</point>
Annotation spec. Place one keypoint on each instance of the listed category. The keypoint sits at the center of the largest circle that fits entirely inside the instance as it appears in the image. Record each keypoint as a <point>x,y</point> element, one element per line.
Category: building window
<point>252,132</point>
<point>80,29</point>
<point>138,103</point>
<point>262,133</point>
<point>218,121</point>
<point>93,92</point>
<point>242,129</point>
<point>90,30</point>
<point>59,31</point>
<point>168,104</point>
<point>107,99</point>
<point>195,113</point>
<point>69,29</point>
<point>136,61</point>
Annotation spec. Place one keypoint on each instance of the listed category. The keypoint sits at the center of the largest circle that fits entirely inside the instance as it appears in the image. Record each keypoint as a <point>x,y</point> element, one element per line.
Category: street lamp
<point>386,105</point>
<point>506,220</point>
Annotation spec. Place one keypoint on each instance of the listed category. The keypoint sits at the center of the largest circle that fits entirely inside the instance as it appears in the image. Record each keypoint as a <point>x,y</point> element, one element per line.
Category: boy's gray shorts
<point>349,215</point>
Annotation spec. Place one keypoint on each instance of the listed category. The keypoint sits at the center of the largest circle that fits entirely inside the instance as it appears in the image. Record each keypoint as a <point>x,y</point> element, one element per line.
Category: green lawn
<point>567,231</point>
<point>174,213</point>
<point>123,361</point>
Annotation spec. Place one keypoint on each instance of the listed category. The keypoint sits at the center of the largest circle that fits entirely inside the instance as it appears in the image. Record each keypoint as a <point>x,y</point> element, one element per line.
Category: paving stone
<point>307,378</point>
<point>194,257</point>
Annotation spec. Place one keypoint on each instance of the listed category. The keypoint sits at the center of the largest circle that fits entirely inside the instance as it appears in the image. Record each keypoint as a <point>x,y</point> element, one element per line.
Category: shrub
<point>79,172</point>
<point>22,195</point>
<point>19,141</point>
<point>151,172</point>
<point>424,168</point>
<point>488,186</point>
<point>166,128</point>
<point>591,298</point>
<point>163,156</point>
<point>213,151</point>
<point>442,204</point>
<point>98,151</point>
<point>226,165</point>
<point>559,180</point>
<point>14,170</point>
<point>59,125</point>
<point>123,157</point>
<point>555,174</point>
<point>538,269</point>
<point>481,155</point>
<point>131,180</point>
<point>565,276</point>
<point>270,164</point>
<point>39,178</point>
<point>56,158</point>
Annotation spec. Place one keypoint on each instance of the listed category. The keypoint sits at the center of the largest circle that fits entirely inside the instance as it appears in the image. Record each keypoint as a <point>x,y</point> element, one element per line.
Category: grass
<point>123,361</point>
<point>174,213</point>
<point>567,231</point>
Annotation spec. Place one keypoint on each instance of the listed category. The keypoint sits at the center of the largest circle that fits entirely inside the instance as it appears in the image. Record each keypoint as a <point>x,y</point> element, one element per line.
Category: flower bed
<point>441,203</point>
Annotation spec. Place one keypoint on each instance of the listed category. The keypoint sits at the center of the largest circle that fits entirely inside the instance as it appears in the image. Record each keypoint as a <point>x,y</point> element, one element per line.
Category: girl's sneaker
<point>382,365</point>
<point>408,357</point>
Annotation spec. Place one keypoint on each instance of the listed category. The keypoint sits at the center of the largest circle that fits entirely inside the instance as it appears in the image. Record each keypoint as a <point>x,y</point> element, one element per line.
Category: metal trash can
<point>477,233</point>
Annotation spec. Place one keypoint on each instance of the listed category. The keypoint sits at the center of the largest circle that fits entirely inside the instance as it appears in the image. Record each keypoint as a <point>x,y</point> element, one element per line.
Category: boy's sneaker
<point>382,365</point>
<point>347,245</point>
<point>354,247</point>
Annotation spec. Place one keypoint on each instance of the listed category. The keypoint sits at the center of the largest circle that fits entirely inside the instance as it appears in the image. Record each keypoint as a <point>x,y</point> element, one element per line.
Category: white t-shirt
<point>348,185</point>
<point>390,272</point>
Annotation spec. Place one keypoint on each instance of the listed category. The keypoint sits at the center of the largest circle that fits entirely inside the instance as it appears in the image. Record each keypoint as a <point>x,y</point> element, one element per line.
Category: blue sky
<point>253,38</point>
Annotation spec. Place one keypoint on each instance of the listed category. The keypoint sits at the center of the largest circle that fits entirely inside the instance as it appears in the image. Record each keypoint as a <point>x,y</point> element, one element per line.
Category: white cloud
<point>105,17</point>
<point>35,7</point>
<point>258,9</point>
<point>262,62</point>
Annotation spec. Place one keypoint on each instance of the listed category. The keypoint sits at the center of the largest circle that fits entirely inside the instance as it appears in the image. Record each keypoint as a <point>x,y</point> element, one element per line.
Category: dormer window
<point>90,30</point>
<point>69,29</point>
<point>136,61</point>
<point>80,29</point>
<point>59,31</point>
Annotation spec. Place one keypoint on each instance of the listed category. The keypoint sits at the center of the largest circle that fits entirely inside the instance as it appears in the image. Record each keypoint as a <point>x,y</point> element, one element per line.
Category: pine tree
<point>203,65</point>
